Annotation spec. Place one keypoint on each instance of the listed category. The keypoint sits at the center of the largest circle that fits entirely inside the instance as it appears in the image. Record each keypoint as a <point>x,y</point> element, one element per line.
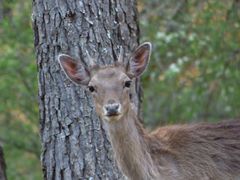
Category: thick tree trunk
<point>74,144</point>
<point>2,166</point>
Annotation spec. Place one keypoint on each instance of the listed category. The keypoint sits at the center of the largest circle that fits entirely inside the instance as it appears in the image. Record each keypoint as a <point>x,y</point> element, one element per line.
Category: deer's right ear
<point>74,70</point>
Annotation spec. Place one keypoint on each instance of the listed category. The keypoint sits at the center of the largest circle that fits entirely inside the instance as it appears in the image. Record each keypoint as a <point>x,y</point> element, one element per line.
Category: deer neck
<point>129,143</point>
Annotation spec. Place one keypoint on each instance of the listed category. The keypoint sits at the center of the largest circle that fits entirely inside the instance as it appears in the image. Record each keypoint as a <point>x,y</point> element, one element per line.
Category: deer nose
<point>112,109</point>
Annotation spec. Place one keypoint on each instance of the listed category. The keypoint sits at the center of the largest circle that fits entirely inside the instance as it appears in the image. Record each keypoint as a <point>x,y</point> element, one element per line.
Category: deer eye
<point>127,84</point>
<point>91,88</point>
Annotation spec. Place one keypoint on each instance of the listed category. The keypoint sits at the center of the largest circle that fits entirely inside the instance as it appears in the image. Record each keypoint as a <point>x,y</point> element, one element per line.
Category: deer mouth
<point>112,117</point>
<point>112,114</point>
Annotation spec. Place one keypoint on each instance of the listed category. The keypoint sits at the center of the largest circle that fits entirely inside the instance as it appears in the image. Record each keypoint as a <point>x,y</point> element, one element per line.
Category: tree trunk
<point>74,143</point>
<point>2,166</point>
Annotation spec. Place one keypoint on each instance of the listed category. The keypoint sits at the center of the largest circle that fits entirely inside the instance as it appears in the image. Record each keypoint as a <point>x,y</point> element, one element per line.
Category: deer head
<point>109,85</point>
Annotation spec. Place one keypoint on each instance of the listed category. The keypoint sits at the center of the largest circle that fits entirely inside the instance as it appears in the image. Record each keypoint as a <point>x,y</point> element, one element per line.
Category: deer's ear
<point>139,60</point>
<point>74,70</point>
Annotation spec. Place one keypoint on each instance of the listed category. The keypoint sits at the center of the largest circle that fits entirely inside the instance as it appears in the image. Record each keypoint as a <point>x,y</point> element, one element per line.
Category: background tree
<point>2,166</point>
<point>74,144</point>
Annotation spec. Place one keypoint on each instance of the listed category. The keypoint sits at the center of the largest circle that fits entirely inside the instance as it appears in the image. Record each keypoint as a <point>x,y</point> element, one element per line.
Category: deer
<point>201,151</point>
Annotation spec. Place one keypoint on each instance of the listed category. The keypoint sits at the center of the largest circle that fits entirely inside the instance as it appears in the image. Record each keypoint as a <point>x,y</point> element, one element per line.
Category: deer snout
<point>112,109</point>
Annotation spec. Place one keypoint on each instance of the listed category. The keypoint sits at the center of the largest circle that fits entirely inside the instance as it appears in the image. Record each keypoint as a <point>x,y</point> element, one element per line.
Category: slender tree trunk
<point>74,143</point>
<point>2,166</point>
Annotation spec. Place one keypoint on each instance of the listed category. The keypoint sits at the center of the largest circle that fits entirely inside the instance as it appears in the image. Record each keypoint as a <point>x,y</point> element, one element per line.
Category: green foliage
<point>18,87</point>
<point>194,70</point>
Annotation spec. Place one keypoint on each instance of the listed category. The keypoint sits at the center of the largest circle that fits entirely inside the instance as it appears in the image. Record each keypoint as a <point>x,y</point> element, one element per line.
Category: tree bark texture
<point>2,166</point>
<point>74,143</point>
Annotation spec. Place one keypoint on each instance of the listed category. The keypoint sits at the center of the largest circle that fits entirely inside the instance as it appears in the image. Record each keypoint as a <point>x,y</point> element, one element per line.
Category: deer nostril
<point>107,108</point>
<point>112,109</point>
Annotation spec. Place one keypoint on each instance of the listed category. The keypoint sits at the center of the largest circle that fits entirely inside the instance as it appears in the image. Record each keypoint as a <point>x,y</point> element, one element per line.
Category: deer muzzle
<point>112,109</point>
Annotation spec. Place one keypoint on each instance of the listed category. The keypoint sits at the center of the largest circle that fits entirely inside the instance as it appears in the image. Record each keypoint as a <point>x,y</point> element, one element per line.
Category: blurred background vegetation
<point>18,86</point>
<point>194,73</point>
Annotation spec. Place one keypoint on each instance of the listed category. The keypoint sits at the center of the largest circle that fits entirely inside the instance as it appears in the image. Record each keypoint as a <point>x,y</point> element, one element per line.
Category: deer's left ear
<point>139,60</point>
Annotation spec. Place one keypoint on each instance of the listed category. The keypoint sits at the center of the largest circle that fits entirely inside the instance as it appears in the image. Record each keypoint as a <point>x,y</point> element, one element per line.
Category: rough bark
<point>74,143</point>
<point>2,166</point>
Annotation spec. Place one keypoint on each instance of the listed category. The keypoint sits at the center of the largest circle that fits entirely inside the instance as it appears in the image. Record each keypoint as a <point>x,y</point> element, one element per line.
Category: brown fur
<point>203,151</point>
<point>186,152</point>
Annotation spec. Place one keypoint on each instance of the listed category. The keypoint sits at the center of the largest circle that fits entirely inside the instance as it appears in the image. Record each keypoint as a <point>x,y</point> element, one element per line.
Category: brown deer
<point>179,152</point>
